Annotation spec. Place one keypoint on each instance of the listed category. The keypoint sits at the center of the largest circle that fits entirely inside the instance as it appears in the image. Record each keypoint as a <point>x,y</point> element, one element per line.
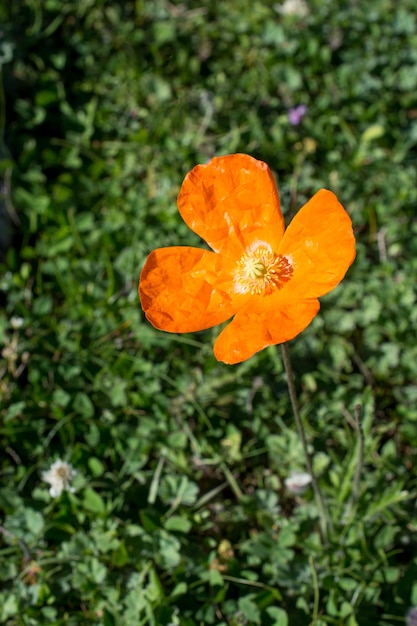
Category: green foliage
<point>179,513</point>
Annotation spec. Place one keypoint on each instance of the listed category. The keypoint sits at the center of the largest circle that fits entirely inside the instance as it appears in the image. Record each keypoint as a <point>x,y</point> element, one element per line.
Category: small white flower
<point>297,482</point>
<point>293,7</point>
<point>16,322</point>
<point>59,477</point>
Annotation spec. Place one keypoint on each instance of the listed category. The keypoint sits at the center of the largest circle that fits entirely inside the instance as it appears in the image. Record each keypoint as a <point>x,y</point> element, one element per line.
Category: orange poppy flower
<point>265,277</point>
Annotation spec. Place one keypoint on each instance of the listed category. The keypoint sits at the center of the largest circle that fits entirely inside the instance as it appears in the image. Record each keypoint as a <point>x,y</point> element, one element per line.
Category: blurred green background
<point>180,514</point>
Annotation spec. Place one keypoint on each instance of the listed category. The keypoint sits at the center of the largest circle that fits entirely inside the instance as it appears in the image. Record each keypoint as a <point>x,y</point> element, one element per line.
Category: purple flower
<point>296,114</point>
<point>411,617</point>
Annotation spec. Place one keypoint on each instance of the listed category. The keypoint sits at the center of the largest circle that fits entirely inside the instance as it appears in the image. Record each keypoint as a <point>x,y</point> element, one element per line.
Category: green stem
<point>316,591</point>
<point>325,521</point>
<point>359,462</point>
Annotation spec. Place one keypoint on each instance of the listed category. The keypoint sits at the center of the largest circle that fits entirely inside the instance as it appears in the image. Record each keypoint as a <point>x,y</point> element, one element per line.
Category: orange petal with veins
<point>264,322</point>
<point>231,202</point>
<point>320,245</point>
<point>184,289</point>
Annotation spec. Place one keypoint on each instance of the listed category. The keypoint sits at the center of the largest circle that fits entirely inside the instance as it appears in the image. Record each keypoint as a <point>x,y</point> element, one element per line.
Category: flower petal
<point>320,245</point>
<point>186,289</point>
<point>231,202</point>
<point>262,322</point>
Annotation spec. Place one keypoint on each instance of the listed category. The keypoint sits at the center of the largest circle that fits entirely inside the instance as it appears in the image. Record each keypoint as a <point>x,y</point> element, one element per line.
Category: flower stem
<point>325,521</point>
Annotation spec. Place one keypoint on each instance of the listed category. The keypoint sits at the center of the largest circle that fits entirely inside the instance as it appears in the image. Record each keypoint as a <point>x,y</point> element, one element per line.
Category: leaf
<point>96,466</point>
<point>92,501</point>
<point>42,305</point>
<point>279,616</point>
<point>178,524</point>
<point>375,131</point>
<point>83,405</point>
<point>390,498</point>
<point>14,410</point>
<point>249,609</point>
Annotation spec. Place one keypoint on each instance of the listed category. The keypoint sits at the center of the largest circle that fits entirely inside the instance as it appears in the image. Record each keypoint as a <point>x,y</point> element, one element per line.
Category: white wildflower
<point>297,482</point>
<point>16,322</point>
<point>293,7</point>
<point>59,477</point>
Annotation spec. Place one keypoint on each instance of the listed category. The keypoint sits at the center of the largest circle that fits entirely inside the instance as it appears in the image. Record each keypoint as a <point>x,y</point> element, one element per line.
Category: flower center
<point>260,271</point>
<point>63,474</point>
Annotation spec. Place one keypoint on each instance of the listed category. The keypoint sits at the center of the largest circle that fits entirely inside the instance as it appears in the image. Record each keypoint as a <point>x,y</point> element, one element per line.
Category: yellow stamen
<point>260,271</point>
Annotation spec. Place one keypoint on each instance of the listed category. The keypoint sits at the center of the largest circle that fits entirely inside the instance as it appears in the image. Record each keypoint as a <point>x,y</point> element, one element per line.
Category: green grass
<point>180,514</point>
